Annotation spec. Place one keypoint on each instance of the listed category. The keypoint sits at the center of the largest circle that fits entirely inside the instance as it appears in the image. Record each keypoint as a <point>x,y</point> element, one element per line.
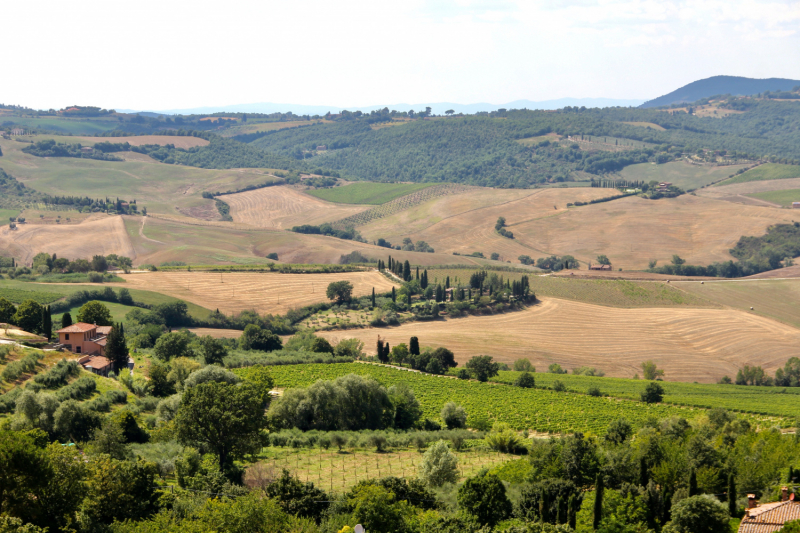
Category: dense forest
<point>482,149</point>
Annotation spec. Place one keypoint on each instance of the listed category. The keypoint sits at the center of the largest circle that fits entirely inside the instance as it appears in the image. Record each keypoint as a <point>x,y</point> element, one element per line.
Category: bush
<point>439,465</point>
<point>525,381</point>
<point>454,416</point>
<point>698,514</point>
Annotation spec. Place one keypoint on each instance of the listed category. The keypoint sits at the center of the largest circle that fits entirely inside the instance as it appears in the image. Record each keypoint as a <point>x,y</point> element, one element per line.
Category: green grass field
<point>157,186</point>
<point>768,171</point>
<point>367,192</point>
<point>769,401</point>
<point>783,198</point>
<point>17,296</point>
<point>612,293</point>
<point>683,175</point>
<point>118,312</point>
<point>60,290</point>
<point>5,214</point>
<point>777,299</point>
<point>532,409</point>
<point>74,126</point>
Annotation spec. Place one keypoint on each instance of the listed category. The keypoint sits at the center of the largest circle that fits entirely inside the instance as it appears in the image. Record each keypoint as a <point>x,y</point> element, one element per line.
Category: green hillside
<point>769,171</point>
<point>367,193</point>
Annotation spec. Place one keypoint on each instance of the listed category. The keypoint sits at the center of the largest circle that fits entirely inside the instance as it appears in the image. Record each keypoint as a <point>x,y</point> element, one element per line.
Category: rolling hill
<point>735,85</point>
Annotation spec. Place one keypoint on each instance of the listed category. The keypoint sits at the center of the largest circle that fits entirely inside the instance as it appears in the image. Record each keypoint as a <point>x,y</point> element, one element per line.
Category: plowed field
<point>101,235</point>
<point>282,207</point>
<point>690,344</point>
<point>240,291</point>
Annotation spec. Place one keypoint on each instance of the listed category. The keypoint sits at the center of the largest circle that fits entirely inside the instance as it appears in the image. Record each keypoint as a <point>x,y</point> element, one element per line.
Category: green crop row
<point>769,401</point>
<point>531,409</point>
<point>18,296</point>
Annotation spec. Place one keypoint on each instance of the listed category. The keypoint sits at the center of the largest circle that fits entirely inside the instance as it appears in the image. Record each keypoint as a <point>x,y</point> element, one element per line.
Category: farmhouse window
<point>66,336</point>
<point>77,349</point>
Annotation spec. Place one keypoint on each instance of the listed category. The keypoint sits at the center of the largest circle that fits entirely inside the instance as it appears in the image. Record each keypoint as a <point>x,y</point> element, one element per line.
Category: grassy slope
<point>681,174</point>
<point>778,299</point>
<point>148,297</point>
<point>75,126</point>
<point>6,213</point>
<point>772,401</point>
<point>157,186</point>
<point>367,192</point>
<point>769,171</point>
<point>783,198</point>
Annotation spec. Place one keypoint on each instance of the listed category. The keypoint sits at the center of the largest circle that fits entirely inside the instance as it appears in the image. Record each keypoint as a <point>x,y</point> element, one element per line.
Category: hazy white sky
<point>163,54</point>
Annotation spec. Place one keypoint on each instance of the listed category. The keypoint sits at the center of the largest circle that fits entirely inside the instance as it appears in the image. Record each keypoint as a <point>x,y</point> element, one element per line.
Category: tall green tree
<point>406,271</point>
<point>47,322</point>
<point>94,313</point>
<point>28,316</point>
<point>692,482</point>
<point>226,419</point>
<point>413,346</point>
<point>732,507</point>
<point>341,291</point>
<point>117,348</point>
<point>598,502</point>
<point>66,320</point>
<point>483,367</point>
<point>484,497</point>
<point>7,311</point>
<point>212,350</point>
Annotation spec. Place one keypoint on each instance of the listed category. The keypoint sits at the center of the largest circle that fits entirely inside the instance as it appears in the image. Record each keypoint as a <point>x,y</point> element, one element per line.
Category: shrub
<point>439,465</point>
<point>454,416</point>
<point>525,381</point>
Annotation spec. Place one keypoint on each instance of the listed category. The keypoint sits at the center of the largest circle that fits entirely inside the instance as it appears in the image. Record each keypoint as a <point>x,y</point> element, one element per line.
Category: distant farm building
<point>322,147</point>
<point>770,517</point>
<point>795,205</point>
<point>17,131</point>
<point>663,186</point>
<point>599,267</point>
<point>97,364</point>
<point>87,149</point>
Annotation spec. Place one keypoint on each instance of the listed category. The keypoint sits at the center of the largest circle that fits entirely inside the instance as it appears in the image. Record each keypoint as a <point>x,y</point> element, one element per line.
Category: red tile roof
<point>78,327</point>
<point>770,517</point>
<point>96,361</point>
<point>104,330</point>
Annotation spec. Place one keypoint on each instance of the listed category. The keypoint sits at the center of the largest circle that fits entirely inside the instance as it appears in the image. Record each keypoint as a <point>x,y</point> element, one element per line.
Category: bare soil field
<point>239,291</point>
<point>282,207</point>
<point>217,333</point>
<point>98,235</point>
<point>787,272</point>
<point>631,231</point>
<point>464,223</point>
<point>135,140</point>
<point>690,344</point>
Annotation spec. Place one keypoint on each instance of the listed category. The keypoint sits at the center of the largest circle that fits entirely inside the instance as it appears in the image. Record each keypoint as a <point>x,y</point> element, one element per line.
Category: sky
<point>167,54</point>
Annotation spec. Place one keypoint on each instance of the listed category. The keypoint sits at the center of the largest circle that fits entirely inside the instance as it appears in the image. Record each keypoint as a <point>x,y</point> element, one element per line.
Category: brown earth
<point>140,140</point>
<point>282,207</point>
<point>263,292</point>
<point>100,234</point>
<point>689,344</point>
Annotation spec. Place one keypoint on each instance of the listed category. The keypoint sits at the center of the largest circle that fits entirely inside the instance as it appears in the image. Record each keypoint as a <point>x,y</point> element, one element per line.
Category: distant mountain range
<point>715,85</point>
<point>437,108</point>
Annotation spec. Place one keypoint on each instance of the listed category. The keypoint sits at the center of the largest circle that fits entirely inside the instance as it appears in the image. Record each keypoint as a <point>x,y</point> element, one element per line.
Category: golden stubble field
<point>464,223</point>
<point>266,292</point>
<point>99,234</point>
<point>633,230</point>
<point>282,207</point>
<point>690,344</point>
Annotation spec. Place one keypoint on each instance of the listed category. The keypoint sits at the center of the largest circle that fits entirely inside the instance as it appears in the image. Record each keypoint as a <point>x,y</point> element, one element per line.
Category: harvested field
<point>217,333</point>
<point>777,299</point>
<point>100,235</point>
<point>689,344</point>
<point>752,192</point>
<point>631,231</point>
<point>464,223</point>
<point>240,129</point>
<point>786,272</point>
<point>283,207</point>
<point>783,198</point>
<point>680,173</point>
<point>232,292</point>
<point>646,125</point>
<point>183,142</point>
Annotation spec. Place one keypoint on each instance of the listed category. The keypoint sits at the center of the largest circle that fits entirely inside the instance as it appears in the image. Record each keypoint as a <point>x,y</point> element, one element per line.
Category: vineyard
<point>523,409</point>
<point>367,192</point>
<point>338,472</point>
<point>401,204</point>
<point>612,293</point>
<point>18,296</point>
<point>769,401</point>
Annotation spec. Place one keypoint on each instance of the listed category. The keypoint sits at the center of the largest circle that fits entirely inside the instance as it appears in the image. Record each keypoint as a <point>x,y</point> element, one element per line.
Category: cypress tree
<point>598,502</point>
<point>790,476</point>
<point>47,322</point>
<point>417,274</point>
<point>447,283</point>
<point>386,351</point>
<point>544,509</point>
<point>394,295</point>
<point>692,483</point>
<point>66,320</point>
<point>643,473</point>
<point>117,348</point>
<point>732,510</point>
<point>408,299</point>
<point>572,512</point>
<point>413,346</point>
<point>379,348</point>
<point>407,271</point>
<point>373,296</point>
<point>559,518</point>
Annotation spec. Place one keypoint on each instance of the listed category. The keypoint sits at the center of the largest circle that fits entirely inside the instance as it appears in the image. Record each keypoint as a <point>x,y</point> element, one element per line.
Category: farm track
<point>233,292</point>
<point>690,344</point>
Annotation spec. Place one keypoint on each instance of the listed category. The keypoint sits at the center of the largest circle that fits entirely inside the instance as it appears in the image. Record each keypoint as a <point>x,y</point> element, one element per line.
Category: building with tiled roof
<point>770,517</point>
<point>83,338</point>
<point>96,364</point>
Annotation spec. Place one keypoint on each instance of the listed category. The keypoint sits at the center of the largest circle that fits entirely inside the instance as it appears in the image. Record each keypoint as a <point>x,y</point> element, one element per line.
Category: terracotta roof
<point>96,361</point>
<point>770,517</point>
<point>78,327</point>
<point>101,342</point>
<point>104,330</point>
